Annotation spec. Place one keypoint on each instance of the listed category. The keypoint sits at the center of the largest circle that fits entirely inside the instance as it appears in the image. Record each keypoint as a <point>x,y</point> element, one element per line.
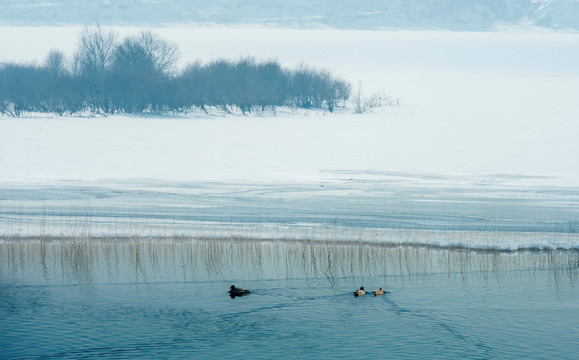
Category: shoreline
<point>239,260</point>
<point>285,241</point>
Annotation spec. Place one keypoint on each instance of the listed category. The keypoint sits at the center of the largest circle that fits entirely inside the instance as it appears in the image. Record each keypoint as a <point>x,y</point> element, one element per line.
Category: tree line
<point>138,74</point>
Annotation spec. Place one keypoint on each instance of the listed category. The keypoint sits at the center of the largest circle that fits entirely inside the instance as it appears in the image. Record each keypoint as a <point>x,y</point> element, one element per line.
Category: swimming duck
<point>379,292</point>
<point>235,291</point>
<point>360,291</point>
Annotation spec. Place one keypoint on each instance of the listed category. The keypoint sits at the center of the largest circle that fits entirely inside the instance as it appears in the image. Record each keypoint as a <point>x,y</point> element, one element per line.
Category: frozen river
<point>483,212</point>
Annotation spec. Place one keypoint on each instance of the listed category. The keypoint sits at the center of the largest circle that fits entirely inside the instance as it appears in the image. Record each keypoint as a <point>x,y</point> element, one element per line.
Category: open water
<point>167,298</point>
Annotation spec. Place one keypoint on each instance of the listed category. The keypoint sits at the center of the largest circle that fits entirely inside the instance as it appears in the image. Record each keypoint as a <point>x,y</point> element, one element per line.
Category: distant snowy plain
<point>456,15</point>
<point>481,150</point>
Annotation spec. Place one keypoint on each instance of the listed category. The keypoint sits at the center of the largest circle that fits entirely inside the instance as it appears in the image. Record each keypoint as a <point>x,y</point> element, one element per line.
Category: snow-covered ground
<point>492,114</point>
<point>286,147</point>
<point>470,103</point>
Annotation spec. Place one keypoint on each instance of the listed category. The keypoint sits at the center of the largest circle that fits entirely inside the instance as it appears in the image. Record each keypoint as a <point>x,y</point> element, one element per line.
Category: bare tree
<point>95,50</point>
<point>140,71</point>
<point>164,53</point>
<point>94,55</point>
<point>55,63</point>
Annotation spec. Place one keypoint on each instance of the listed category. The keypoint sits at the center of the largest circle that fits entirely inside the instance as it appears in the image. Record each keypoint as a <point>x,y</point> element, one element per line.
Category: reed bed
<point>198,260</point>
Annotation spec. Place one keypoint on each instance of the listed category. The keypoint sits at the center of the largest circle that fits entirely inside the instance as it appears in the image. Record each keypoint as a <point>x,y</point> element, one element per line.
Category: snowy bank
<point>488,113</point>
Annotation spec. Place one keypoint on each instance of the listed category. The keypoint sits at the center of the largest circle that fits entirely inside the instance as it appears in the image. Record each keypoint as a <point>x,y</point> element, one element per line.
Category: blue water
<point>166,298</point>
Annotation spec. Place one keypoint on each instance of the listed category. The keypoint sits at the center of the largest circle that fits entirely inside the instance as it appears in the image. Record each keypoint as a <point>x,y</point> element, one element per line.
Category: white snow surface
<point>480,111</point>
<point>470,103</point>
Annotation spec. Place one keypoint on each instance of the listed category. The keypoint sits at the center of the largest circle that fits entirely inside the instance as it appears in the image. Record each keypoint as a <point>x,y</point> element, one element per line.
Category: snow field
<point>475,109</point>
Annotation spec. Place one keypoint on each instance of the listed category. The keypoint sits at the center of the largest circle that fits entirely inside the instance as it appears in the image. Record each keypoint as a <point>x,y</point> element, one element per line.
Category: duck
<point>360,291</point>
<point>379,292</point>
<point>235,291</point>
